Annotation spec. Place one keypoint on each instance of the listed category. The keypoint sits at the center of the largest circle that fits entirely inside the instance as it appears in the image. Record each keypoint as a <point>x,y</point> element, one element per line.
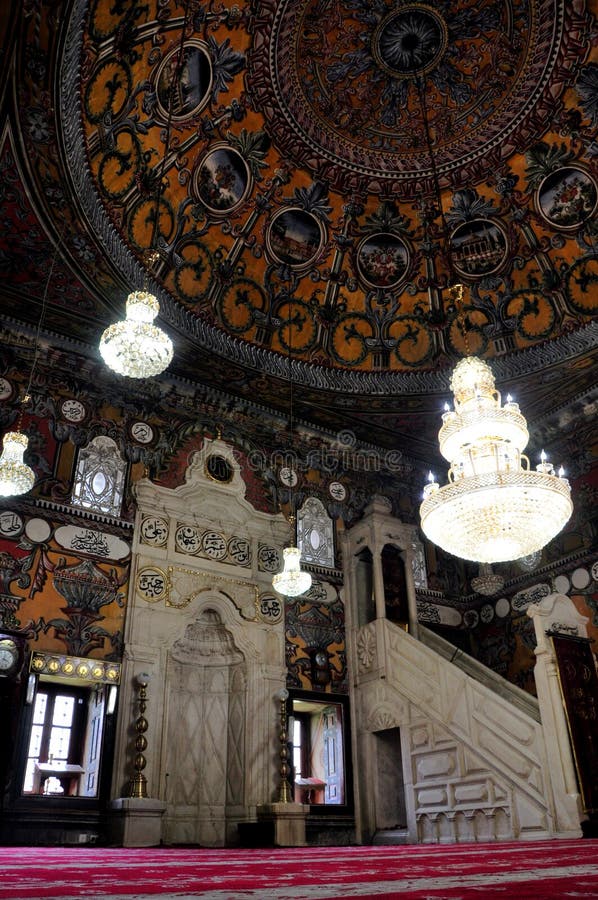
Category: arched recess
<point>204,758</point>
<point>396,603</point>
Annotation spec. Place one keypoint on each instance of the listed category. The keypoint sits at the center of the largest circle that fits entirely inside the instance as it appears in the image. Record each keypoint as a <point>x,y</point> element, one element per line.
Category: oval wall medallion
<point>567,197</point>
<point>73,410</point>
<point>191,89</point>
<point>222,180</point>
<point>382,260</point>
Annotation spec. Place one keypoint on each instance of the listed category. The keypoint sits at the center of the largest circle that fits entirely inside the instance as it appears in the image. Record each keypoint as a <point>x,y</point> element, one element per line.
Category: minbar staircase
<point>469,756</point>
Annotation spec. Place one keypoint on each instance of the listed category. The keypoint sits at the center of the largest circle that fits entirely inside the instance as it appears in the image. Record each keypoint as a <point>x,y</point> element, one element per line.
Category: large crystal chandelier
<point>135,346</point>
<point>15,475</point>
<point>494,508</point>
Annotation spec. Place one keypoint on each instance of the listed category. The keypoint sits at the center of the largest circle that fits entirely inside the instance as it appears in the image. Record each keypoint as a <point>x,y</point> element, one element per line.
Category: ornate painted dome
<point>315,177</point>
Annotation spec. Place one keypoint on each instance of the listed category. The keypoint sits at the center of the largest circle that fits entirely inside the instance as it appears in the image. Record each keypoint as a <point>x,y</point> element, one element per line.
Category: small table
<point>68,775</point>
<point>311,789</point>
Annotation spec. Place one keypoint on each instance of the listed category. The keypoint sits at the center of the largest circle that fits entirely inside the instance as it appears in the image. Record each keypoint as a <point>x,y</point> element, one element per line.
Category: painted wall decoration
<point>478,247</point>
<point>183,87</point>
<point>382,260</point>
<point>311,628</point>
<point>294,237</point>
<point>66,600</point>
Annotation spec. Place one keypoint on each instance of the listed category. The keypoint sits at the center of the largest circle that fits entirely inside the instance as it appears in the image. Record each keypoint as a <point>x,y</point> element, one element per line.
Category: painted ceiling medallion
<point>337,83</point>
<point>410,41</point>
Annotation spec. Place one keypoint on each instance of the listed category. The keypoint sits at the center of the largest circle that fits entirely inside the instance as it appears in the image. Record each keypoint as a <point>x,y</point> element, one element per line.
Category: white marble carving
<point>474,761</point>
<point>214,646</point>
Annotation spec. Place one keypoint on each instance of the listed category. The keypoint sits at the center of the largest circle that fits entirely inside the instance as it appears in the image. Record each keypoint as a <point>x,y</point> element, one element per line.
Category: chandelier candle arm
<point>494,508</point>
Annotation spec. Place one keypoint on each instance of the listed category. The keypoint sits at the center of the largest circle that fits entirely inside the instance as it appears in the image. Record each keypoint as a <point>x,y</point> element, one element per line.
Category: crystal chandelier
<point>494,508</point>
<point>134,346</point>
<point>15,476</point>
<point>291,581</point>
<point>487,582</point>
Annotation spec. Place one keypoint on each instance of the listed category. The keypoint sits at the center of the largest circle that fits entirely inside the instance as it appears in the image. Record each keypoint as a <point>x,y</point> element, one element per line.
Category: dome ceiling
<point>298,208</point>
<point>315,175</point>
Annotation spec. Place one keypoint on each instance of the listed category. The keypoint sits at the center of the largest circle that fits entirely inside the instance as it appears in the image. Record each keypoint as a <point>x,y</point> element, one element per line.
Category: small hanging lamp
<point>16,477</point>
<point>292,581</point>
<point>134,346</point>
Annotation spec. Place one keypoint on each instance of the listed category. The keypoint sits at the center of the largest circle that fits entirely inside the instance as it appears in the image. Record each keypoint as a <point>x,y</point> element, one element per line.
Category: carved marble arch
<point>315,533</point>
<point>99,481</point>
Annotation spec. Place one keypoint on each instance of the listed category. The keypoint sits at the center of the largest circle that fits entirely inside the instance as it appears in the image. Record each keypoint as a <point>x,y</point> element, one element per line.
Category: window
<point>100,477</point>
<point>317,752</point>
<point>315,534</point>
<point>55,741</point>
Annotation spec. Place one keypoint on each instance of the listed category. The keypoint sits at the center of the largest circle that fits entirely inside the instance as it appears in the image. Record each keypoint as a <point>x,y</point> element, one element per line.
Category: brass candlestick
<point>284,791</point>
<point>138,783</point>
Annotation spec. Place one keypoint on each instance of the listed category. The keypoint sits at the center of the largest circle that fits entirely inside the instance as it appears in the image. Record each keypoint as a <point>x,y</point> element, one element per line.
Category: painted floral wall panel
<point>64,586</point>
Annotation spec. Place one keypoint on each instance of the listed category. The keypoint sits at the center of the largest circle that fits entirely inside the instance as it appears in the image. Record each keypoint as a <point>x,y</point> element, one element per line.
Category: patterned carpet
<point>513,871</point>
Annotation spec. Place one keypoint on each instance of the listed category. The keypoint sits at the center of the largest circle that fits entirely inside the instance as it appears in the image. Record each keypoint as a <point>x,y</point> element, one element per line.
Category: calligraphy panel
<point>209,544</point>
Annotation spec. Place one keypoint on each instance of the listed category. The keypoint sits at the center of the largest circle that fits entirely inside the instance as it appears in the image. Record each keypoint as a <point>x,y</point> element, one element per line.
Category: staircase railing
<point>481,673</point>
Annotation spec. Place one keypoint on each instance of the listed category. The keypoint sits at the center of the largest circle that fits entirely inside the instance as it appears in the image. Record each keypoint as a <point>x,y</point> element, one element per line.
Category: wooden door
<point>333,755</point>
<point>579,686</point>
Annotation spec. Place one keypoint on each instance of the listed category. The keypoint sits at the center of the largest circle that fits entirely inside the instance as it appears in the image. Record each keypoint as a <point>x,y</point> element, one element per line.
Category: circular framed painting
<point>337,491</point>
<point>479,247</point>
<point>184,89</point>
<point>567,197</point>
<point>142,432</point>
<point>288,476</point>
<point>222,180</point>
<point>382,260</point>
<point>294,238</point>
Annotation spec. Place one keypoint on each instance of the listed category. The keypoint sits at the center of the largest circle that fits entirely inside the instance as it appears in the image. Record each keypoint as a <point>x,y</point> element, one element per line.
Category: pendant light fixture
<point>135,346</point>
<point>292,581</point>
<point>494,507</point>
<point>16,477</point>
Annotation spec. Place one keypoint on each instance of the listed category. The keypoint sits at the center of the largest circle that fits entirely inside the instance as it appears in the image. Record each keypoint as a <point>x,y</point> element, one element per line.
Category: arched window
<point>315,534</point>
<point>99,477</point>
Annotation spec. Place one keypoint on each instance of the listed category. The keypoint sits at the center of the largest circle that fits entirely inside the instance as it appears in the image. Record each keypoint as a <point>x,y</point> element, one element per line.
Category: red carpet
<point>513,871</point>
